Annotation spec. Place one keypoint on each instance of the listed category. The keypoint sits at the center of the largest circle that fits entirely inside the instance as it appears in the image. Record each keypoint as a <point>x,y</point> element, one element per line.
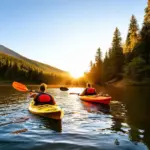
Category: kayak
<point>64,89</point>
<point>96,99</point>
<point>46,110</point>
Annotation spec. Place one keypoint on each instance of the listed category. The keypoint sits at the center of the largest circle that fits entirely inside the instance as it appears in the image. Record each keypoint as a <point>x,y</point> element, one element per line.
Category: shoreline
<point>126,82</point>
<point>37,85</point>
<point>121,83</point>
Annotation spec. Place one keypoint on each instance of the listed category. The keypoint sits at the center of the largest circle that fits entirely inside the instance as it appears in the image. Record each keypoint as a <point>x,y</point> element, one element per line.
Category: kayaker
<point>41,97</point>
<point>89,90</point>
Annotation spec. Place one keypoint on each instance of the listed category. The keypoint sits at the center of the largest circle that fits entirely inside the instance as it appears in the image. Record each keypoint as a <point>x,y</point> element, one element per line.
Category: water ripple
<point>84,126</point>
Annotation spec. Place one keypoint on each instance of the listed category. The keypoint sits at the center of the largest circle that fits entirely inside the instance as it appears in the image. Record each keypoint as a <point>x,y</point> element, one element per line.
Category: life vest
<point>90,91</point>
<point>43,98</point>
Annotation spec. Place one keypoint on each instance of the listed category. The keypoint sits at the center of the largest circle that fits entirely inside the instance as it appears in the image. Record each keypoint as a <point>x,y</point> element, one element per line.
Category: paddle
<point>75,93</point>
<point>20,87</point>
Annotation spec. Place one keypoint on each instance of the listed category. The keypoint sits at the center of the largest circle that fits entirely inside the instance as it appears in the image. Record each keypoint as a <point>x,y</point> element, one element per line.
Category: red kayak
<point>96,99</point>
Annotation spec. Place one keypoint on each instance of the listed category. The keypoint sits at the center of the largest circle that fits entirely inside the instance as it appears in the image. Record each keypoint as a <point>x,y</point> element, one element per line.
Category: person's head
<point>43,87</point>
<point>88,85</point>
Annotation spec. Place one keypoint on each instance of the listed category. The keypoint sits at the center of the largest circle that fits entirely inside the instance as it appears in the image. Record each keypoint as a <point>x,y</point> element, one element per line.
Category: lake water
<point>124,124</point>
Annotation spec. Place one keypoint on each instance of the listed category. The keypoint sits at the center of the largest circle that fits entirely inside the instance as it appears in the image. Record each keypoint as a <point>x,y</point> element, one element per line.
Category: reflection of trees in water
<point>134,134</point>
<point>119,116</point>
<point>146,138</point>
<point>137,102</point>
<point>138,105</point>
<point>117,125</point>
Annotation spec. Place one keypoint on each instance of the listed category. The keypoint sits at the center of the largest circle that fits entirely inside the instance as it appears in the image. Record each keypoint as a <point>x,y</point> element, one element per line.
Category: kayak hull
<point>46,110</point>
<point>96,99</point>
<point>64,89</point>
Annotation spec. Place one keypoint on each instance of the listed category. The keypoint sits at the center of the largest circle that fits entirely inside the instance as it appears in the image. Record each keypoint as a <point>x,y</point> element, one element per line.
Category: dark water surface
<point>124,124</point>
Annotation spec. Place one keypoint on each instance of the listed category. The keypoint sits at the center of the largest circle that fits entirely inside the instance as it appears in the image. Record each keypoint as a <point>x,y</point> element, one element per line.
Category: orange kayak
<point>96,99</point>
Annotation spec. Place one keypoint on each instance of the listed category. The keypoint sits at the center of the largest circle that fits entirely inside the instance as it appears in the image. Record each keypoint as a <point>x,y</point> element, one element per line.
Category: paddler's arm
<point>83,93</point>
<point>53,101</point>
<point>95,92</point>
<point>33,95</point>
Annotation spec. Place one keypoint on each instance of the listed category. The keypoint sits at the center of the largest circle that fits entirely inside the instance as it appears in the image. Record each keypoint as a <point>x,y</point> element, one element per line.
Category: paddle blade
<point>75,93</point>
<point>19,86</point>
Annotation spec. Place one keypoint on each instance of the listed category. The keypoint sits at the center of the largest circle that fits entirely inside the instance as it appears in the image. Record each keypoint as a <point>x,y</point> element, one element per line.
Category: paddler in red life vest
<point>89,90</point>
<point>41,97</point>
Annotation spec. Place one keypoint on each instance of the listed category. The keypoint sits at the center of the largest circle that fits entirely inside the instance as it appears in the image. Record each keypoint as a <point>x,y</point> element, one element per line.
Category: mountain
<point>44,67</point>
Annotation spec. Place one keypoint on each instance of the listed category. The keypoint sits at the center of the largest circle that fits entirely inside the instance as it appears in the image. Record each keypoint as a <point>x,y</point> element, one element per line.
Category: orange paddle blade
<point>19,86</point>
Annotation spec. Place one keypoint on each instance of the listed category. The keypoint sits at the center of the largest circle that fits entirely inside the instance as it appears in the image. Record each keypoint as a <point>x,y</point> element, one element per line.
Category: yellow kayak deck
<point>46,110</point>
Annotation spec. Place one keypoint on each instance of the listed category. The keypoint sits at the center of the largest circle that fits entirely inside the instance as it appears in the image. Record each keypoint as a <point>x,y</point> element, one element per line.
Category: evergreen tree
<point>91,65</point>
<point>106,57</point>
<point>106,66</point>
<point>116,55</point>
<point>142,49</point>
<point>98,56</point>
<point>98,66</point>
<point>132,36</point>
<point>147,13</point>
<point>139,68</point>
<point>20,70</point>
<point>95,73</point>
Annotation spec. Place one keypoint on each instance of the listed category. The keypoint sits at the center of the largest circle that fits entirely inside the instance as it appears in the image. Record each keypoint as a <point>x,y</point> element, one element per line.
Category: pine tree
<point>95,73</point>
<point>91,65</point>
<point>132,36</point>
<point>98,56</point>
<point>143,48</point>
<point>139,67</point>
<point>116,43</point>
<point>98,66</point>
<point>106,66</point>
<point>147,13</point>
<point>106,56</point>
<point>117,57</point>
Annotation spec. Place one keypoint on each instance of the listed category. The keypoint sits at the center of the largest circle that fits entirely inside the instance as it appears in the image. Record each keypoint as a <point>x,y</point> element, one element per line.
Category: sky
<point>65,33</point>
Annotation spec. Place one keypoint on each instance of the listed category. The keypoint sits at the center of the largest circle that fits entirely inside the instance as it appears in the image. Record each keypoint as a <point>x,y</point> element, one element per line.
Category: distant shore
<point>120,83</point>
<point>127,82</point>
<point>9,83</point>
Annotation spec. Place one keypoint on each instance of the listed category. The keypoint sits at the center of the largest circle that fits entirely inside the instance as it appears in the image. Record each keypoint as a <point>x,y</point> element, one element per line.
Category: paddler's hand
<point>32,91</point>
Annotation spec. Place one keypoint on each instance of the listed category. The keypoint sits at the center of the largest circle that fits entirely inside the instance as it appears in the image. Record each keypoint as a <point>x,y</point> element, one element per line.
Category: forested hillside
<point>129,59</point>
<point>16,67</point>
<point>44,67</point>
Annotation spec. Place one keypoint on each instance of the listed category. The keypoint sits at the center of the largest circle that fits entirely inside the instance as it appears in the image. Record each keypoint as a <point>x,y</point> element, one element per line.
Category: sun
<point>76,74</point>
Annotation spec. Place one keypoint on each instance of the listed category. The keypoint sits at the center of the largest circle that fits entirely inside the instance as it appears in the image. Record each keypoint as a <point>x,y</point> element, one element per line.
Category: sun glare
<point>76,74</point>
